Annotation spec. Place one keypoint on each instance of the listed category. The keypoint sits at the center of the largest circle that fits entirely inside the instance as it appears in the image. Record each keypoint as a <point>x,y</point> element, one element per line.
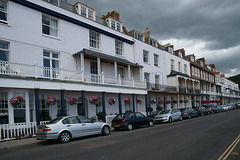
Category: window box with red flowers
<point>94,100</point>
<point>185,101</point>
<point>175,101</point>
<point>72,100</point>
<point>152,101</point>
<point>168,101</point>
<point>112,101</point>
<point>51,101</point>
<point>180,101</point>
<point>139,101</point>
<point>127,101</point>
<point>160,101</point>
<point>16,101</point>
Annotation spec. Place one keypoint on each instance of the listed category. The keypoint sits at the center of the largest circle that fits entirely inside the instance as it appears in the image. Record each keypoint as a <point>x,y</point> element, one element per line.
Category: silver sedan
<point>168,116</point>
<point>66,128</point>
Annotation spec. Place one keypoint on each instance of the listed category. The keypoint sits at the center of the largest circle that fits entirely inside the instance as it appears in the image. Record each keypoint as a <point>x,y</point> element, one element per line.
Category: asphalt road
<point>203,138</point>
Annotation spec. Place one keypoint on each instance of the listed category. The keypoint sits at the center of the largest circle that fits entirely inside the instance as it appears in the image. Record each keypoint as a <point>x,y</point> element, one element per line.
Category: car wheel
<point>202,114</point>
<point>170,119</point>
<point>129,127</point>
<point>180,118</point>
<point>208,113</point>
<point>64,137</point>
<point>150,124</point>
<point>189,116</point>
<point>105,130</point>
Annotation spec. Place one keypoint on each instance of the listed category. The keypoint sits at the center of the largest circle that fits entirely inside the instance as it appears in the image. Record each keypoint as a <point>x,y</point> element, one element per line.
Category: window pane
<point>3,16</point>
<point>3,45</point>
<point>45,20</point>
<point>54,23</point>
<point>46,62</point>
<point>19,115</point>
<point>54,55</point>
<point>45,30</point>
<point>3,10</point>
<point>4,56</point>
<point>90,14</point>
<point>53,32</point>
<point>46,54</point>
<point>55,64</point>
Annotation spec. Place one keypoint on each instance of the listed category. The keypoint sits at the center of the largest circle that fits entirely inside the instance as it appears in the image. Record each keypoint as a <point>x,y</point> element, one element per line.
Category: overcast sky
<point>207,28</point>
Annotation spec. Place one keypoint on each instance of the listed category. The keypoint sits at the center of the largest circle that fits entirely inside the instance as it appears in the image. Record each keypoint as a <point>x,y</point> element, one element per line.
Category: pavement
<point>17,143</point>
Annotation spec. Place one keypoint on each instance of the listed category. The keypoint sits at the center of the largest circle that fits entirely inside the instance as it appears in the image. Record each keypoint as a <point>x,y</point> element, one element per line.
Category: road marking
<point>229,149</point>
<point>235,153</point>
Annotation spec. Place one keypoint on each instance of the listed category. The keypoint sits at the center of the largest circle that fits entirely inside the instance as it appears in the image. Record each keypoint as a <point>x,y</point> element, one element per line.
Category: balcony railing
<point>160,87</point>
<point>34,71</point>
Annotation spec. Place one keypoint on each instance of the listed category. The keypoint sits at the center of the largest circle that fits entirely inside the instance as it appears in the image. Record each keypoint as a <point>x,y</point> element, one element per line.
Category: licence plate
<point>40,129</point>
<point>116,125</point>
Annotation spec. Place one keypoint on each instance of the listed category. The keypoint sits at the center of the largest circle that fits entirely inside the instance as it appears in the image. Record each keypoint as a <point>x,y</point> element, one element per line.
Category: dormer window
<point>201,63</point>
<point>153,43</point>
<point>180,55</point>
<point>114,24</point>
<point>85,11</point>
<point>170,50</point>
<point>192,58</point>
<point>139,36</point>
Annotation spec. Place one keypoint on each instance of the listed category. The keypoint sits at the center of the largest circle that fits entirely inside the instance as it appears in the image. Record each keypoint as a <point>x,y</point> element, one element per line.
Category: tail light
<point>46,129</point>
<point>184,112</point>
<point>123,120</point>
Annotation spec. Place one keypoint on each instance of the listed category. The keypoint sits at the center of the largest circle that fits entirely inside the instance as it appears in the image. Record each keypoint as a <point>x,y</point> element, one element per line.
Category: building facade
<point>51,50</point>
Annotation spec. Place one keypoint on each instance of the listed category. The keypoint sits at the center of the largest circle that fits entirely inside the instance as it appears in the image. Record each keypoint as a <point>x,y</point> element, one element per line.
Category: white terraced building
<point>50,48</point>
<point>63,51</point>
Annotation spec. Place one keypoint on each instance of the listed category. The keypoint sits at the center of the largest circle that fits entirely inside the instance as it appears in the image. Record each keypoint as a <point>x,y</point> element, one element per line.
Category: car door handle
<point>68,125</point>
<point>83,124</point>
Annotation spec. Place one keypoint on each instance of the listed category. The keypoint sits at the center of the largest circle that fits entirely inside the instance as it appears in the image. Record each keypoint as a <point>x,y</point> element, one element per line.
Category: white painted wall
<point>149,67</point>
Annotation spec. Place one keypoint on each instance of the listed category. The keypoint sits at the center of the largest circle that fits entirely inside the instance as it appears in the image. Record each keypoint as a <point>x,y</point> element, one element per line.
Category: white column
<point>82,65</point>
<point>27,107</point>
<point>99,65</point>
<point>129,72</point>
<point>140,74</point>
<point>82,62</point>
<point>10,108</point>
<point>115,69</point>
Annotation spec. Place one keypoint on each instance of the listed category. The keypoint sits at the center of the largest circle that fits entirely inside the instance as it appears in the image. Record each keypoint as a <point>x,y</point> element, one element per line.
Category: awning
<point>106,57</point>
<point>175,73</point>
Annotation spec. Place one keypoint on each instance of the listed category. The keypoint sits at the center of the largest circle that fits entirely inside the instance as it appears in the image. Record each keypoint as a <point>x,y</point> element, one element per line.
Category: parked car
<point>131,120</point>
<point>202,111</point>
<point>213,108</point>
<point>220,108</point>
<point>225,107</point>
<point>68,127</point>
<point>230,107</point>
<point>188,112</point>
<point>237,105</point>
<point>168,116</point>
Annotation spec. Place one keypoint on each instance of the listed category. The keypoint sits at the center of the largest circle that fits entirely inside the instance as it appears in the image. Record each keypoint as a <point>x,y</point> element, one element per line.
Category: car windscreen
<point>182,109</point>
<point>164,112</point>
<point>54,120</point>
<point>120,116</point>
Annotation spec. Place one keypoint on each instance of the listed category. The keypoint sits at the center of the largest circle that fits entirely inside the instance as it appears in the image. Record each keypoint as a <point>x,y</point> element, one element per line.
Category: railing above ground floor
<point>35,71</point>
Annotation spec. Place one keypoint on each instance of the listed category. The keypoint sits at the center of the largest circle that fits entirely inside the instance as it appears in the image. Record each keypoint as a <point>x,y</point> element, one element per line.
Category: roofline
<point>70,19</point>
